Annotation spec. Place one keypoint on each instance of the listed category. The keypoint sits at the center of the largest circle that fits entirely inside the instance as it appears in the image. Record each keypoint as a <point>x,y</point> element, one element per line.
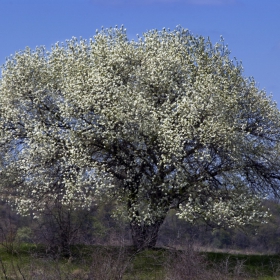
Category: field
<point>27,261</point>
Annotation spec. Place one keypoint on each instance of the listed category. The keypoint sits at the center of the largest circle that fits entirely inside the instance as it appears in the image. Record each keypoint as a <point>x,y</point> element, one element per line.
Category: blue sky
<point>251,28</point>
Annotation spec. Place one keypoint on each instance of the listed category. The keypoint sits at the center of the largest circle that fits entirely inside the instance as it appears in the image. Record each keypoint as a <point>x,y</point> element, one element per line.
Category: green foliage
<point>24,234</point>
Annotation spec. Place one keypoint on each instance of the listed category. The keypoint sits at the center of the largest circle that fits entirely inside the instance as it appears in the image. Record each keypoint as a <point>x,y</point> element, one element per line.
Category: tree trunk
<point>145,236</point>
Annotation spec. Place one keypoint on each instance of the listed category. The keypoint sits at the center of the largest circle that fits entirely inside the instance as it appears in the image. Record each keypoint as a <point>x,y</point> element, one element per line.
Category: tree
<point>166,122</point>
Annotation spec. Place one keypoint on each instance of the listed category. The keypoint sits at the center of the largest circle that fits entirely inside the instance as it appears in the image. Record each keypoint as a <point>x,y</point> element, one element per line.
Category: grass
<point>258,265</point>
<point>30,262</point>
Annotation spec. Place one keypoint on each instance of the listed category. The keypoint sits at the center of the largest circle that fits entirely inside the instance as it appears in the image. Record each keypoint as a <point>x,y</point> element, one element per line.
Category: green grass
<point>264,265</point>
<point>31,262</point>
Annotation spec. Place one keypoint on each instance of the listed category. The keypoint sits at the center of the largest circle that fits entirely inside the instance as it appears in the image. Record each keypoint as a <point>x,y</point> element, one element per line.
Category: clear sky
<point>251,28</point>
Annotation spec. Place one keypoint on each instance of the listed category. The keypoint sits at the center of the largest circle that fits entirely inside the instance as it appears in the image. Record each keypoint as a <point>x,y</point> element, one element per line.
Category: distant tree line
<point>61,229</point>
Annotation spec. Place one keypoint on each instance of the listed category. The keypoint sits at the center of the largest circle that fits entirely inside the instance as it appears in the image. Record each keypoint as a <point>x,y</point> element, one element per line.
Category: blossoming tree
<point>167,121</point>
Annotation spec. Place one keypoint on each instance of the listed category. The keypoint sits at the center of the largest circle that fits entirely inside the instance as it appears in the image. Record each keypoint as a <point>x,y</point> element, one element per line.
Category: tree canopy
<point>167,121</point>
